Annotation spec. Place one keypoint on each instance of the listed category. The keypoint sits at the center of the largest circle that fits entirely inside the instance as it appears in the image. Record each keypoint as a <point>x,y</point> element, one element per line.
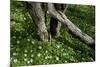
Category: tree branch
<point>74,29</point>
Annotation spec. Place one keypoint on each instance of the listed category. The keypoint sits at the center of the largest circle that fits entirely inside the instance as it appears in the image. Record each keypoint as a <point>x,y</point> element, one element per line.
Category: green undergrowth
<point>27,49</point>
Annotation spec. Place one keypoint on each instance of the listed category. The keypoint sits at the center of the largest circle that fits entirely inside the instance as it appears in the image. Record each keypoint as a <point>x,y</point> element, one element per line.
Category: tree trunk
<point>74,29</point>
<point>55,25</point>
<point>38,17</point>
<point>57,14</point>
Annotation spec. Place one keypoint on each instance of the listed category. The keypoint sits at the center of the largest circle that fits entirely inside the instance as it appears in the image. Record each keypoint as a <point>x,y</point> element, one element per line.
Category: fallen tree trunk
<point>60,16</point>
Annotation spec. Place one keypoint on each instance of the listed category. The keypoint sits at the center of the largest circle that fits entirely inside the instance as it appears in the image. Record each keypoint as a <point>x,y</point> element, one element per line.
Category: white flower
<point>25,55</point>
<point>64,54</point>
<point>28,62</point>
<point>28,39</point>
<point>91,59</point>
<point>14,54</point>
<point>32,55</point>
<point>57,58</point>
<point>58,46</point>
<point>14,37</point>
<point>32,42</point>
<point>18,42</point>
<point>15,60</point>
<point>46,51</point>
<point>40,47</point>
<point>38,54</point>
<point>25,51</point>
<point>50,56</point>
<point>66,61</point>
<point>31,60</point>
<point>24,18</point>
<point>25,59</point>
<point>31,51</point>
<point>46,57</point>
<point>72,58</point>
<point>83,58</point>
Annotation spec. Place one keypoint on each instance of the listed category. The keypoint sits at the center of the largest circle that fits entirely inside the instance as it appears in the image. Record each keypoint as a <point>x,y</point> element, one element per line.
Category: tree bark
<point>74,29</point>
<point>38,17</point>
<point>55,25</point>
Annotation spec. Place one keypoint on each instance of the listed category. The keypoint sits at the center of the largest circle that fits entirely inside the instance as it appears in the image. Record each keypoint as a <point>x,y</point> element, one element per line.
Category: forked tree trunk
<point>37,15</point>
<point>60,16</point>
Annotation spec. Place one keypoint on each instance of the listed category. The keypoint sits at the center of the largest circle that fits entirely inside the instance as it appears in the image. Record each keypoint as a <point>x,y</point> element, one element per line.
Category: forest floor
<point>27,49</point>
